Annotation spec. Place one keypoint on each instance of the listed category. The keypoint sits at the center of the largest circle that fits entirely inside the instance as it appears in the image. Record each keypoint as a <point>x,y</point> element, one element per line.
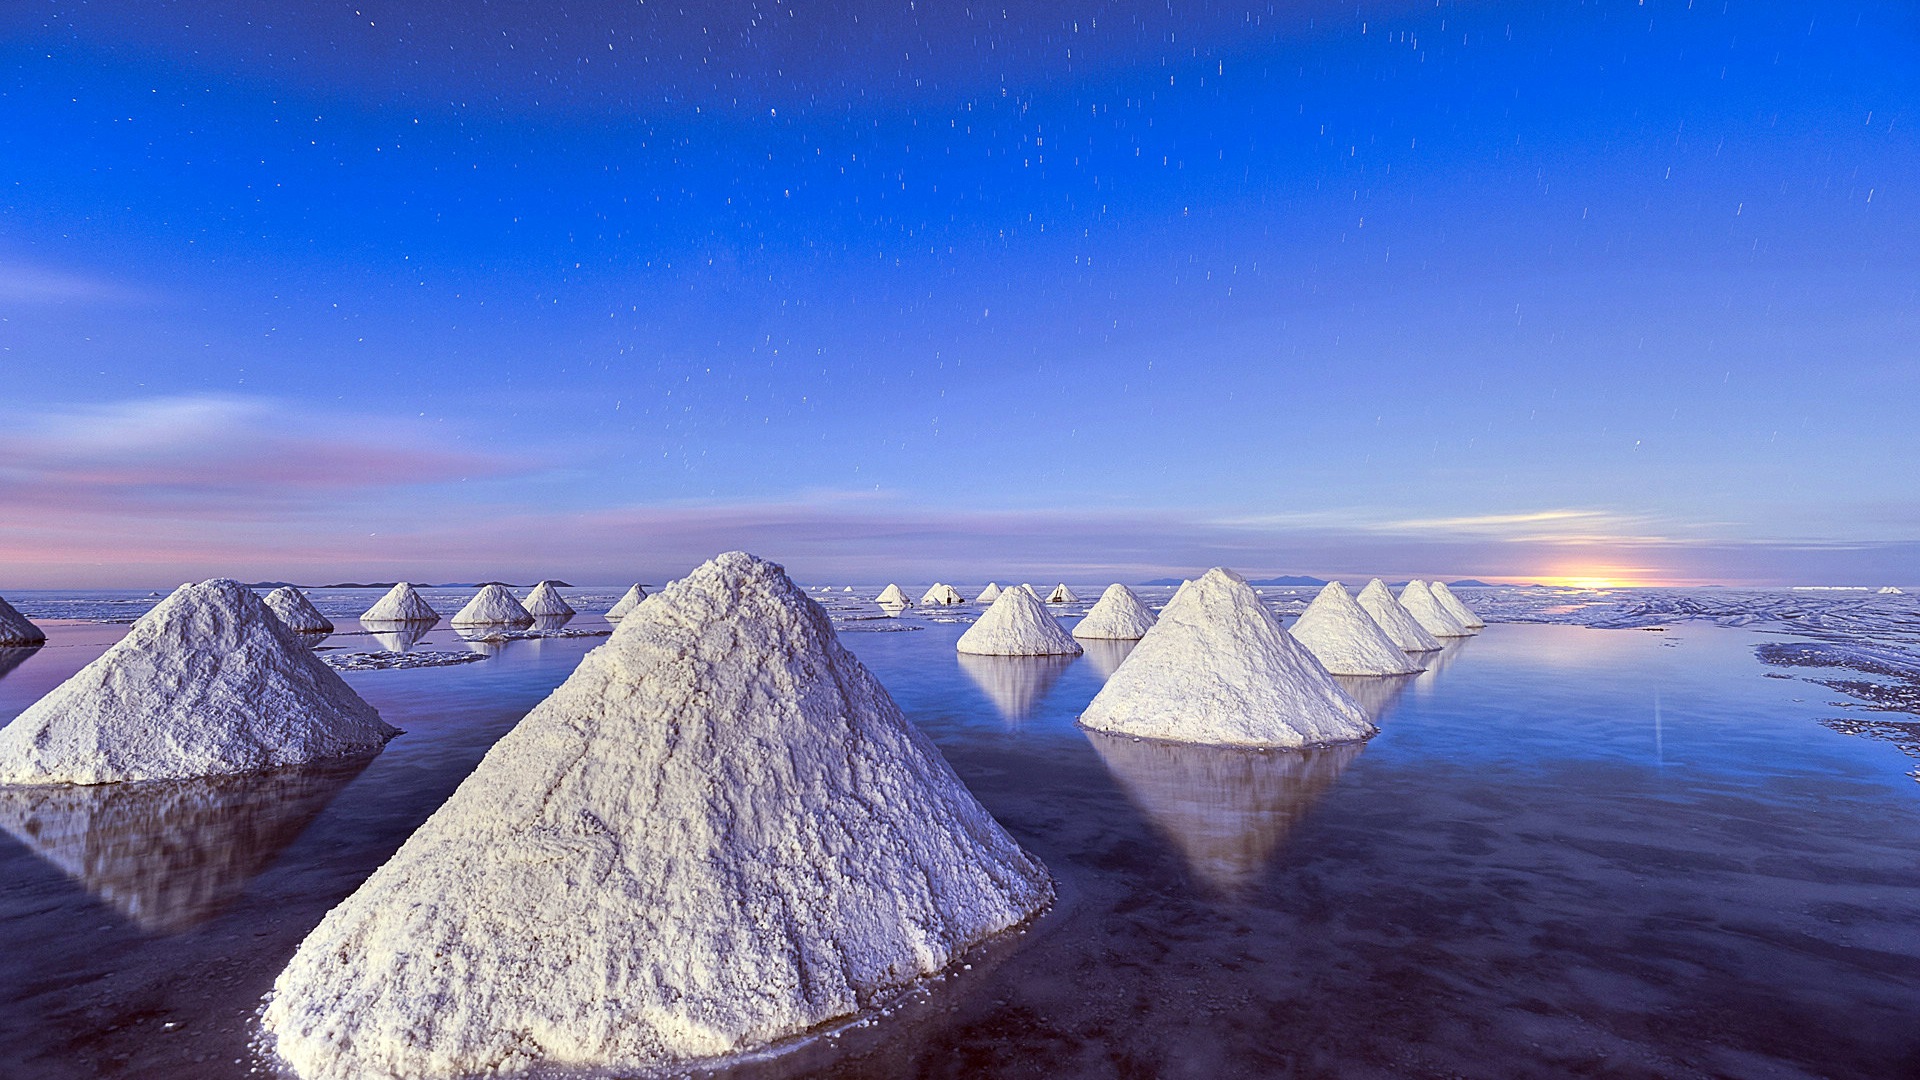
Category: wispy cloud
<point>25,283</point>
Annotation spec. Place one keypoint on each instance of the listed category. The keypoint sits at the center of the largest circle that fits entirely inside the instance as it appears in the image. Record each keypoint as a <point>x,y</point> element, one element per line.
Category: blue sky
<point>1611,289</point>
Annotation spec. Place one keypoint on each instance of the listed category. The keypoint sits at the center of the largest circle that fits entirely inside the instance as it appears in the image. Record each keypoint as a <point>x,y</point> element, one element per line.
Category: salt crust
<point>1218,669</point>
<point>989,594</point>
<point>1119,615</point>
<point>942,593</point>
<point>627,603</point>
<point>1398,624</point>
<point>1426,610</point>
<point>1455,606</point>
<point>1062,595</point>
<point>210,682</point>
<point>893,594</point>
<point>493,606</point>
<point>1017,624</point>
<point>294,609</point>
<point>720,831</point>
<point>546,600</point>
<point>401,604</point>
<point>15,629</point>
<point>1346,640</point>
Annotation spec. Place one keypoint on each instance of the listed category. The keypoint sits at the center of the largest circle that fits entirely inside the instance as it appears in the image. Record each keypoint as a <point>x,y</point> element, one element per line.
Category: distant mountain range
<point>390,584</point>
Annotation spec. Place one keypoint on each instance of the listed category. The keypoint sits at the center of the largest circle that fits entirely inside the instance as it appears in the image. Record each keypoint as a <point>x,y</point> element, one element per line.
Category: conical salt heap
<point>1062,595</point>
<point>401,604</point>
<point>989,594</point>
<point>546,600</point>
<point>493,606</point>
<point>1017,624</point>
<point>1426,610</point>
<point>208,683</point>
<point>942,593</point>
<point>16,630</point>
<point>1119,615</point>
<point>298,612</point>
<point>893,595</point>
<point>1395,621</point>
<point>1455,606</point>
<point>627,603</point>
<point>1345,639</point>
<point>719,832</point>
<point>1217,668</point>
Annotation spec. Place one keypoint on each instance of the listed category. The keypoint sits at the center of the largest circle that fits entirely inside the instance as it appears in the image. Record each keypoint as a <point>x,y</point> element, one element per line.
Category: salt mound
<point>401,604</point>
<point>1062,595</point>
<point>847,589</point>
<point>1426,610</point>
<point>1884,590</point>
<point>294,609</point>
<point>719,832</point>
<point>893,595</point>
<point>989,594</point>
<point>1217,668</point>
<point>1345,639</point>
<point>1017,625</point>
<point>1119,614</point>
<point>493,606</point>
<point>15,629</point>
<point>1395,621</point>
<point>627,603</point>
<point>943,594</point>
<point>546,600</point>
<point>1456,607</point>
<point>209,682</point>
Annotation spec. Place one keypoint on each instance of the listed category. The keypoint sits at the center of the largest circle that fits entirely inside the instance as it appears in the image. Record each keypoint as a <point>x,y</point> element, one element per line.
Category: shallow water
<point>1569,851</point>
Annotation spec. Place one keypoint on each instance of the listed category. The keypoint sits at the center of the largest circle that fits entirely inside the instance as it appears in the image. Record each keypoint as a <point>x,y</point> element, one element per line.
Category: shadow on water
<point>1104,655</point>
<point>1015,684</point>
<point>397,636</point>
<point>170,855</point>
<point>14,655</point>
<point>1375,693</point>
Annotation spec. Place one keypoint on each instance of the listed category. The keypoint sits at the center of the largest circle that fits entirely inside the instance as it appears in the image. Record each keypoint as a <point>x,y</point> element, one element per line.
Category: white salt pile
<point>1427,611</point>
<point>493,606</point>
<point>942,593</point>
<point>1017,625</point>
<point>1884,590</point>
<point>989,594</point>
<point>893,595</point>
<point>1119,615</point>
<point>1397,623</point>
<point>1217,668</point>
<point>847,589</point>
<point>719,832</point>
<point>1346,640</point>
<point>401,604</point>
<point>16,630</point>
<point>1455,606</point>
<point>207,683</point>
<point>1062,595</point>
<point>294,609</point>
<point>627,603</point>
<point>546,600</point>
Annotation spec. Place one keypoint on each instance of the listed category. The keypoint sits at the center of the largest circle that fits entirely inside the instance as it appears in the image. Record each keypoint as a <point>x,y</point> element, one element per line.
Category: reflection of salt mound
<point>989,594</point>
<point>12,656</point>
<point>942,593</point>
<point>550,623</point>
<point>1062,595</point>
<point>1375,693</point>
<point>1106,654</point>
<point>1426,610</point>
<point>1395,621</point>
<point>294,609</point>
<point>207,683</point>
<point>401,604</point>
<point>1017,625</point>
<point>627,603</point>
<point>1345,639</point>
<point>1017,684</point>
<point>1217,668</point>
<point>1119,615</point>
<point>1438,663</point>
<point>493,606</point>
<point>1455,606</point>
<point>546,600</point>
<point>397,636</point>
<point>172,854</point>
<point>892,594</point>
<point>1227,809</point>
<point>718,832</point>
<point>16,630</point>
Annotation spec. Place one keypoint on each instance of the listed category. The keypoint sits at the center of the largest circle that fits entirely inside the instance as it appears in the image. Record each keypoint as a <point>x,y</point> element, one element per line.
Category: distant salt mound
<point>893,595</point>
<point>943,594</point>
<point>627,603</point>
<point>1345,639</point>
<point>719,832</point>
<point>1062,595</point>
<point>1884,590</point>
<point>848,589</point>
<point>210,682</point>
<point>1455,606</point>
<point>16,630</point>
<point>546,600</point>
<point>401,604</point>
<point>1428,612</point>
<point>294,609</point>
<point>1120,615</point>
<point>1217,668</point>
<point>1017,625</point>
<point>989,594</point>
<point>1395,621</point>
<point>493,606</point>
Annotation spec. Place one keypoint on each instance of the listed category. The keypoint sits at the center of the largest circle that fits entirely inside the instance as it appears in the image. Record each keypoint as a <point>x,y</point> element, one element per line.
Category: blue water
<point>1569,852</point>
